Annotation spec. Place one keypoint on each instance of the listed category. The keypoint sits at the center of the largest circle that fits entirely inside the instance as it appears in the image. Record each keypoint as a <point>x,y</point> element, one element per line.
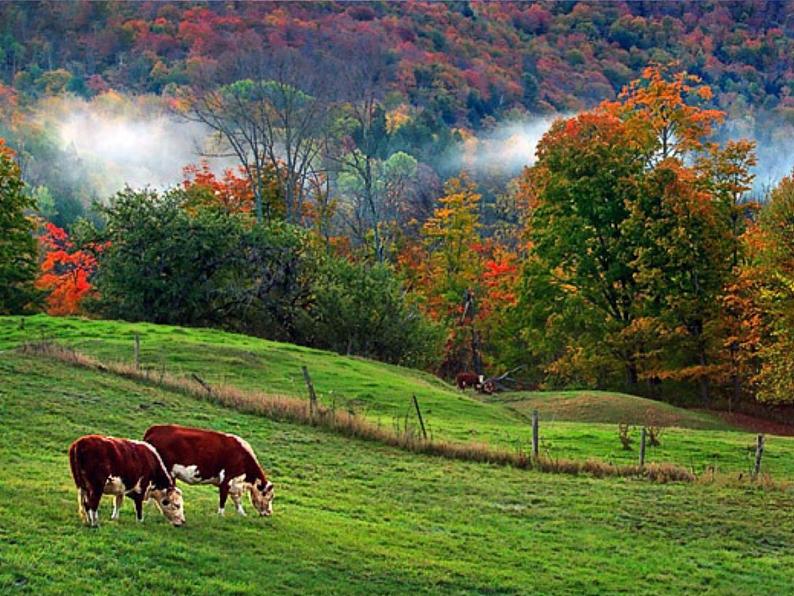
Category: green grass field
<point>605,407</point>
<point>356,517</point>
<point>574,425</point>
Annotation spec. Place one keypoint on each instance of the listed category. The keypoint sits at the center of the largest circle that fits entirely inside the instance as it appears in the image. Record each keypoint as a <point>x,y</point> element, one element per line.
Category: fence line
<point>290,409</point>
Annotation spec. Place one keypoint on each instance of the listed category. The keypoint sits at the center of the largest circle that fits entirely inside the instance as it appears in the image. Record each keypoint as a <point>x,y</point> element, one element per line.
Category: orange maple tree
<point>232,192</point>
<point>662,112</point>
<point>66,271</point>
<point>462,280</point>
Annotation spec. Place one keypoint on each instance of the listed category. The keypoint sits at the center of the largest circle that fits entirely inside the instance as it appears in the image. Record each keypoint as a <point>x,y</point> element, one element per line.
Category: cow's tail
<point>74,464</point>
<point>79,480</point>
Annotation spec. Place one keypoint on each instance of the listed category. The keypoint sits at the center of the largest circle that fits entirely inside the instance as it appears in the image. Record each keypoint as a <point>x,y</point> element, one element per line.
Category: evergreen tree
<point>17,245</point>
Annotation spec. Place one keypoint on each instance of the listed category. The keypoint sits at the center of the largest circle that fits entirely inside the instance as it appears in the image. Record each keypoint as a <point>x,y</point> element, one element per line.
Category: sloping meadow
<point>355,516</point>
<point>382,394</point>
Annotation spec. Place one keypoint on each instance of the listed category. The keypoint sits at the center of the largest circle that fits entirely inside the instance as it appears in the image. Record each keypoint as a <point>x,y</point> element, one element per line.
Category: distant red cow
<point>468,379</point>
<point>198,456</point>
<point>105,465</point>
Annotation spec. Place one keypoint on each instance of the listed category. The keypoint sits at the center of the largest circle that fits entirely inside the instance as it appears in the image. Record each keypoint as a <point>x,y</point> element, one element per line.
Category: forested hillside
<point>569,194</point>
<point>462,85</point>
<point>462,61</point>
<point>445,73</point>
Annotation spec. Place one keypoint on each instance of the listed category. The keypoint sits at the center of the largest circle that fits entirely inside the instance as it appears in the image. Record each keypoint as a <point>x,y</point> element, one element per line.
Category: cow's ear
<point>165,502</point>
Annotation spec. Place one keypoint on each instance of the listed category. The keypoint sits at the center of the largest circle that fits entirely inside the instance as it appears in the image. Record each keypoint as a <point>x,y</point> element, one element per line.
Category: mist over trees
<point>633,252</point>
<point>445,76</point>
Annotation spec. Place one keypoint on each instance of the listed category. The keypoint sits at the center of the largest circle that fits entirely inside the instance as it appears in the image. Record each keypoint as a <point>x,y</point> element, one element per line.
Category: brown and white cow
<point>468,379</point>
<point>199,456</point>
<point>106,465</point>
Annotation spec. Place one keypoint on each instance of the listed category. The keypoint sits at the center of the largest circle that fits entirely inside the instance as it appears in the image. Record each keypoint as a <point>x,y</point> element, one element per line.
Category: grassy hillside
<point>352,516</point>
<point>606,407</point>
<point>587,428</point>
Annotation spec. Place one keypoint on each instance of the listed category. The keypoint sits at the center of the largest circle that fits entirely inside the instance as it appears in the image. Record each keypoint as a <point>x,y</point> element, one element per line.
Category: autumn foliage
<point>772,270</point>
<point>232,192</point>
<point>66,271</point>
<point>464,281</point>
<point>631,255</point>
<point>634,226</point>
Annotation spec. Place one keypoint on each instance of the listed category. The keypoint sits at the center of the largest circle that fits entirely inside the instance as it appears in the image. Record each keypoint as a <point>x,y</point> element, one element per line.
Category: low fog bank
<point>510,146</point>
<point>504,150</point>
<point>774,141</point>
<point>118,141</point>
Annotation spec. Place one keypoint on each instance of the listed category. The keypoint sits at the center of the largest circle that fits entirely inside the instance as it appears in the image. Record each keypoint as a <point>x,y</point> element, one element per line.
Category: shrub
<point>654,435</point>
<point>361,309</point>
<point>205,267</point>
<point>17,246</point>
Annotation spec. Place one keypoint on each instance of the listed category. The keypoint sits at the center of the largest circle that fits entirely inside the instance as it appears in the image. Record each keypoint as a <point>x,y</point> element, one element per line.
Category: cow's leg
<point>238,503</point>
<point>92,501</point>
<point>224,493</point>
<point>117,499</point>
<point>81,496</point>
<point>138,501</point>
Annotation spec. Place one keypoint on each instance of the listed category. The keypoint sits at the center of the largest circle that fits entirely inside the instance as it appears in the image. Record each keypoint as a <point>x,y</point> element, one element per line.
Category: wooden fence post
<point>312,394</point>
<point>419,415</point>
<point>535,433</point>
<point>137,351</point>
<point>759,453</point>
<point>202,382</point>
<point>642,447</point>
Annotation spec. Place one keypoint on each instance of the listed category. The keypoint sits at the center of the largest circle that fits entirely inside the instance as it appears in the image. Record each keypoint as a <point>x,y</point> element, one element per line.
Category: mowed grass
<point>356,517</point>
<point>574,425</point>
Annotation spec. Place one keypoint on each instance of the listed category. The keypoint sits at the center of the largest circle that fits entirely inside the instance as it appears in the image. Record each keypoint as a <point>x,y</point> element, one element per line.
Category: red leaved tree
<point>66,271</point>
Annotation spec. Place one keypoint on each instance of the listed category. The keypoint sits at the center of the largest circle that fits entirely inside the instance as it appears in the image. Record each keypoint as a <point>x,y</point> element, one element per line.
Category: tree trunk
<point>704,382</point>
<point>736,381</point>
<point>379,252</point>
<point>631,373</point>
<point>258,199</point>
<point>475,351</point>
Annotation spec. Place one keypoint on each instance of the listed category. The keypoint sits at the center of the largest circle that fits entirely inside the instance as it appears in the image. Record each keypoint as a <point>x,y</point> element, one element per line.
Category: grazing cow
<point>468,379</point>
<point>105,465</point>
<point>199,456</point>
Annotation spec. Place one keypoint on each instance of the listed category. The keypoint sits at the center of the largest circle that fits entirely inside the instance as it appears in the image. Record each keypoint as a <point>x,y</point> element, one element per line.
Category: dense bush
<point>361,309</point>
<point>208,267</point>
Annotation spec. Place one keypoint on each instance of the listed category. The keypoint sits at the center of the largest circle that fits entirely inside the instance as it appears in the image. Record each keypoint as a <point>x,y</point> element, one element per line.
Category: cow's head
<point>262,493</point>
<point>169,501</point>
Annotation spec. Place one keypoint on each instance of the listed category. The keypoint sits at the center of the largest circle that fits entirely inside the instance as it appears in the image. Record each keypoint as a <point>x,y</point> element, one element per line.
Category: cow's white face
<point>169,501</point>
<point>262,494</point>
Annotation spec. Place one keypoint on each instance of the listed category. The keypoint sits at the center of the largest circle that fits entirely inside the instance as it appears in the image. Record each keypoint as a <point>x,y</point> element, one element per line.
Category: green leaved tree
<point>17,245</point>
